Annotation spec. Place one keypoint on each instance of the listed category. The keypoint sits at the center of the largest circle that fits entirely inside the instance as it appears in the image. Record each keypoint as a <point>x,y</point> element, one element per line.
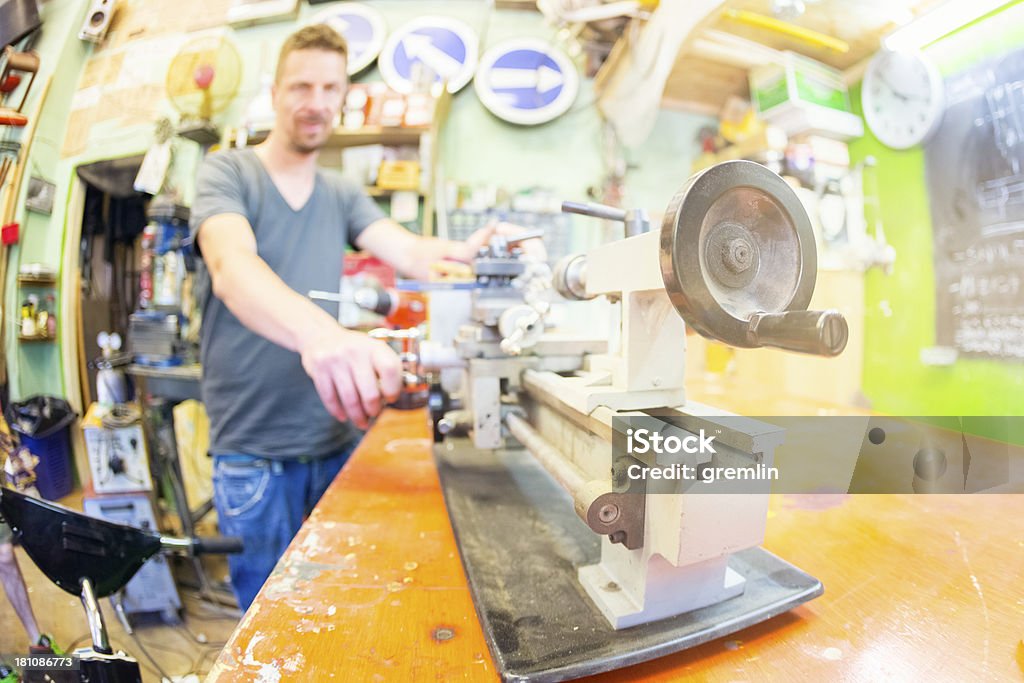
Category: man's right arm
<point>349,370</point>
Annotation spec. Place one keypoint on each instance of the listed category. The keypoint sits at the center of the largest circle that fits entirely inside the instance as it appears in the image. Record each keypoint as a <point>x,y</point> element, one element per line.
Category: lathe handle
<point>608,213</point>
<point>637,221</point>
<point>822,333</point>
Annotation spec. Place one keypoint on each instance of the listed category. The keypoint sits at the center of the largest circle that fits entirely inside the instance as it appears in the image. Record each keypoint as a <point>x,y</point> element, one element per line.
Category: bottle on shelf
<point>28,317</point>
<point>51,318</point>
<point>42,321</point>
<point>146,266</point>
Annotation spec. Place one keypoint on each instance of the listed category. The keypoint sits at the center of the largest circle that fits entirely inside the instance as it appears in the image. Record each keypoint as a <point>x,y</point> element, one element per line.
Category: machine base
<point>522,545</point>
<point>703,588</point>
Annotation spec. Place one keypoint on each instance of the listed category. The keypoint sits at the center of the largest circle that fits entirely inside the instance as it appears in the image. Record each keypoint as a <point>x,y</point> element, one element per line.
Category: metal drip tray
<point>521,545</point>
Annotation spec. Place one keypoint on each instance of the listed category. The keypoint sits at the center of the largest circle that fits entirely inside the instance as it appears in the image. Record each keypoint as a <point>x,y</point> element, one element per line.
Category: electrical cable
<point>205,650</point>
<point>76,642</point>
<point>202,661</point>
<point>171,651</point>
<point>191,638</point>
<point>159,671</point>
<point>115,646</point>
<point>122,415</point>
<point>195,639</point>
<point>203,653</point>
<point>222,612</point>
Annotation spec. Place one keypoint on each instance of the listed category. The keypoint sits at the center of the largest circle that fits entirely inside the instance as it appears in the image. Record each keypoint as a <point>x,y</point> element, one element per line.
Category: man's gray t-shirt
<point>259,398</point>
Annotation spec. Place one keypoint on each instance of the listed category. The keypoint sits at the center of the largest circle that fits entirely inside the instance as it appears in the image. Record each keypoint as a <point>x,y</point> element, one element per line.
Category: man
<point>21,476</point>
<point>17,593</point>
<point>14,585</point>
<point>284,384</point>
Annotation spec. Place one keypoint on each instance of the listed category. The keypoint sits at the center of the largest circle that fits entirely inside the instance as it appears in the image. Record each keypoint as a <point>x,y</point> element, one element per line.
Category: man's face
<point>308,97</point>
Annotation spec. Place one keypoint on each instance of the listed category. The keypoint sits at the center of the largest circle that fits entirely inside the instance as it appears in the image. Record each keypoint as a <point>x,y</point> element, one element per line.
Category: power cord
<point>115,646</point>
<point>169,651</point>
<point>122,415</point>
<point>159,671</point>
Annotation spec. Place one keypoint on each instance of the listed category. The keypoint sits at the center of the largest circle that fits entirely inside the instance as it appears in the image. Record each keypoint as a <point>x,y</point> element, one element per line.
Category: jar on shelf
<point>28,316</point>
<point>51,319</point>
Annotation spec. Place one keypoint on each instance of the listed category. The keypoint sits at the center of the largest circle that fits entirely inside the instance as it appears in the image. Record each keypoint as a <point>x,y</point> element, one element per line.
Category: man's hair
<point>312,37</point>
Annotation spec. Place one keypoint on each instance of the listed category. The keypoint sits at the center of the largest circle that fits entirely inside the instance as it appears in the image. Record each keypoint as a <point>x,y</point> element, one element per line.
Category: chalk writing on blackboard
<point>975,171</point>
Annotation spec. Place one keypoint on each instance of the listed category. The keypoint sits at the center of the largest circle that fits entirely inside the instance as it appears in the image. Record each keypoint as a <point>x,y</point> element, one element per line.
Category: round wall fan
<point>202,80</point>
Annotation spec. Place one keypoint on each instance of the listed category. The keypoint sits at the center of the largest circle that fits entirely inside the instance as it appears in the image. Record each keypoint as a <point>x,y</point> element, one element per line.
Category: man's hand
<point>533,248</point>
<point>351,372</point>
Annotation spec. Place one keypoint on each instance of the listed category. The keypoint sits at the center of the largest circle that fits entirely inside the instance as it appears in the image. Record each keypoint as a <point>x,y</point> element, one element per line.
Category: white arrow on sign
<point>338,24</point>
<point>505,81</point>
<point>543,79</point>
<point>422,48</point>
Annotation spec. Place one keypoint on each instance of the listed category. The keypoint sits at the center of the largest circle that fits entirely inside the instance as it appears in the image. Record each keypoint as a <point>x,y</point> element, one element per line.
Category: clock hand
<point>894,91</point>
<point>903,96</point>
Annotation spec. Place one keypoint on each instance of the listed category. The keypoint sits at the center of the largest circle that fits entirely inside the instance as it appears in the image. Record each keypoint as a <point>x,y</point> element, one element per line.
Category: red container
<point>9,234</point>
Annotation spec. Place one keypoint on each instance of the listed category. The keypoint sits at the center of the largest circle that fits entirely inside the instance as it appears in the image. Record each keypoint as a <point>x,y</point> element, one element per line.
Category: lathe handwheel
<point>736,247</point>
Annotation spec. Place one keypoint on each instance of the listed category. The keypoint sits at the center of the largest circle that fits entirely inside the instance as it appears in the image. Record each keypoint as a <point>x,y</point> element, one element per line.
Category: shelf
<point>375,135</point>
<point>768,141</point>
<point>375,191</point>
<point>367,135</point>
<point>718,42</point>
<point>23,338</point>
<point>38,280</point>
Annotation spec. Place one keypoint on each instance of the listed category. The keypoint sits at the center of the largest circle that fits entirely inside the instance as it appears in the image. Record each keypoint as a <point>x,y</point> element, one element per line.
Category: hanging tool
<point>786,28</point>
<point>15,64</point>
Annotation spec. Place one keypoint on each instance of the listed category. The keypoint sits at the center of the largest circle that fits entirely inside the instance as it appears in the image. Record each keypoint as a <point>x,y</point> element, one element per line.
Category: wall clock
<point>903,98</point>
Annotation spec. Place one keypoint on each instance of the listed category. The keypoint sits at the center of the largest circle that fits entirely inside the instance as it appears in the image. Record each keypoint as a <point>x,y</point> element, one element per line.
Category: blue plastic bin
<point>43,425</point>
<point>53,473</point>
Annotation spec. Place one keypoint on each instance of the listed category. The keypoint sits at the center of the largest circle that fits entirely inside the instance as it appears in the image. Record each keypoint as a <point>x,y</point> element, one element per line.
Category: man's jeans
<point>264,502</point>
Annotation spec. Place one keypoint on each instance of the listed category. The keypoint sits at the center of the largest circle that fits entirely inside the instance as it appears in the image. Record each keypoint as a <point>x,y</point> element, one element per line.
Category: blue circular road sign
<point>363,28</point>
<point>445,48</point>
<point>526,81</point>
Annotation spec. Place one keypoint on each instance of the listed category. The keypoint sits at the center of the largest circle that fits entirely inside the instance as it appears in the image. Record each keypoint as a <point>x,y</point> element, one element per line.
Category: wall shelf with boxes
<point>37,280</point>
<point>722,41</point>
<point>377,191</point>
<point>37,321</point>
<point>365,135</point>
<point>391,122</point>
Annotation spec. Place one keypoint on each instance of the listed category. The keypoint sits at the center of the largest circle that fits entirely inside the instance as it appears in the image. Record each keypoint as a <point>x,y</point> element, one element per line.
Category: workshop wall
<point>36,367</point>
<point>115,119</point>
<point>900,308</point>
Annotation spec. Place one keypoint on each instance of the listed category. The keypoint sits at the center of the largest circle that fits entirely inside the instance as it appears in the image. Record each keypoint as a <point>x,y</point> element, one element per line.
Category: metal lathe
<point>574,568</point>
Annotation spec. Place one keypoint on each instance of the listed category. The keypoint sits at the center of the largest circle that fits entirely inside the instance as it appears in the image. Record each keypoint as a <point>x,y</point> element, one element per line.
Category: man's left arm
<point>412,255</point>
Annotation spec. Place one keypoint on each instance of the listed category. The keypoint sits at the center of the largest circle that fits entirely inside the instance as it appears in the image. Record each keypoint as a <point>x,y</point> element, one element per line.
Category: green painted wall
<point>565,154</point>
<point>35,368</point>
<point>900,308</point>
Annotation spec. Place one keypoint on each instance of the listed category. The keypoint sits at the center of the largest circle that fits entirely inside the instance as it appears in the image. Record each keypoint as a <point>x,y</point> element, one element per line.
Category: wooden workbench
<point>372,589</point>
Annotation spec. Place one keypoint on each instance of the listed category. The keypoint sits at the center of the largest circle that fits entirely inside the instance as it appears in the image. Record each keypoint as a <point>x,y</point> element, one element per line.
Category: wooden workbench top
<point>372,588</point>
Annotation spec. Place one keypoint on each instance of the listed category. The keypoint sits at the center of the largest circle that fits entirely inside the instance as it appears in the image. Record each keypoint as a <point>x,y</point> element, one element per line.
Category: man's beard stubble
<point>307,149</point>
<point>301,148</point>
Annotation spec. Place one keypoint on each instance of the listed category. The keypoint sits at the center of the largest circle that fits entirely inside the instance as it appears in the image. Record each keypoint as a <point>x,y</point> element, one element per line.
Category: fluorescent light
<point>940,22</point>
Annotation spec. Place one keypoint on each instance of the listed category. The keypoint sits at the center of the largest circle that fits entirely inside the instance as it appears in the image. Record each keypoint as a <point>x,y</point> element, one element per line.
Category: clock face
<point>902,95</point>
